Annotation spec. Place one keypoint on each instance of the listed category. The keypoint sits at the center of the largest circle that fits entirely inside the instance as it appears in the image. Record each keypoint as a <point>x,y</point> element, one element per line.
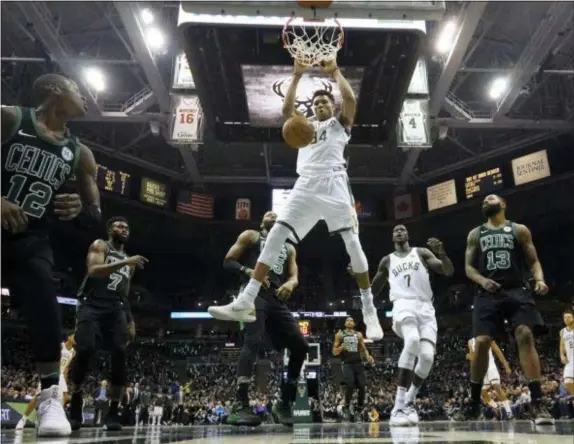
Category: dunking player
<point>104,313</point>
<point>492,377</point>
<point>67,356</point>
<point>273,318</point>
<point>322,190</point>
<point>498,253</point>
<point>38,156</point>
<point>406,270</point>
<point>350,346</point>
<point>567,350</point>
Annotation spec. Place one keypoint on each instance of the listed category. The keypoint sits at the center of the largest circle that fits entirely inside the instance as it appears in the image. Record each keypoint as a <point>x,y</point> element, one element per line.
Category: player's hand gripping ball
<point>298,132</point>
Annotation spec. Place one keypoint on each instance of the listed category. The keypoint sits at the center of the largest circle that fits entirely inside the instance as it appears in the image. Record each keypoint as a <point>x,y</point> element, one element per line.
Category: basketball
<point>314,4</point>
<point>298,132</point>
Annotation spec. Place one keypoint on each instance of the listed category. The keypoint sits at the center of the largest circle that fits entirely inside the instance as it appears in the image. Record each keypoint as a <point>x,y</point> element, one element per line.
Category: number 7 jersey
<point>409,277</point>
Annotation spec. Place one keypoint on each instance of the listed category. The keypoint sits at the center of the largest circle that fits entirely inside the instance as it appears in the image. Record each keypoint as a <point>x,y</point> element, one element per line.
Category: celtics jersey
<point>351,340</point>
<point>109,290</point>
<point>34,168</point>
<point>501,257</point>
<point>278,272</point>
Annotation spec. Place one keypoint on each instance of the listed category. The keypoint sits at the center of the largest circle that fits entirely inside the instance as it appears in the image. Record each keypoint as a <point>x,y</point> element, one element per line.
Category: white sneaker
<point>238,310</point>
<point>371,320</point>
<point>50,416</point>
<point>21,424</point>
<point>399,418</point>
<point>411,412</point>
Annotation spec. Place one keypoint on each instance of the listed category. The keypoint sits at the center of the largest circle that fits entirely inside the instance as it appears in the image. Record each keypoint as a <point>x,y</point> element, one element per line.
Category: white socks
<point>250,291</point>
<point>411,394</point>
<point>400,398</point>
<point>367,298</point>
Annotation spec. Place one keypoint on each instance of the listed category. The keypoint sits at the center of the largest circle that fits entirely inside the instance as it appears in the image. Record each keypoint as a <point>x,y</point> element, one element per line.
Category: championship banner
<point>186,119</point>
<point>243,209</point>
<point>530,167</point>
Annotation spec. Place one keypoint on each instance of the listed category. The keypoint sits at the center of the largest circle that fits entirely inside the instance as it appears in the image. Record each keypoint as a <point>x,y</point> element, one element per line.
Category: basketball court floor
<point>519,432</point>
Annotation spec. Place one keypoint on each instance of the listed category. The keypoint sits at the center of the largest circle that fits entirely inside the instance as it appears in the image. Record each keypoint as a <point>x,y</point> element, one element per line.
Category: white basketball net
<point>311,42</point>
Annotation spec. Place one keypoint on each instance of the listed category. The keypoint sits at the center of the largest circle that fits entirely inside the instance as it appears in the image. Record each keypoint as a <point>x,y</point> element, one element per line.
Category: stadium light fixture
<point>155,38</point>
<point>95,79</point>
<point>147,16</point>
<point>446,38</point>
<point>498,88</point>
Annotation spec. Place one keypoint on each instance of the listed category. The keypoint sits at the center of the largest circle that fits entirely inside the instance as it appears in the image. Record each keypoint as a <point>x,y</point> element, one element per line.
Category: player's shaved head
<point>45,85</point>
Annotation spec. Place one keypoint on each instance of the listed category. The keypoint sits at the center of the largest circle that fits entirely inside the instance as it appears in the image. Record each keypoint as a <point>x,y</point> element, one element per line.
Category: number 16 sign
<point>186,119</point>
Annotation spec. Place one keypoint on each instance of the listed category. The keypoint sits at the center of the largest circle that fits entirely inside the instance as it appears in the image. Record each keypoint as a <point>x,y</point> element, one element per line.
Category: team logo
<point>507,229</point>
<point>67,154</point>
<point>301,389</point>
<point>303,104</point>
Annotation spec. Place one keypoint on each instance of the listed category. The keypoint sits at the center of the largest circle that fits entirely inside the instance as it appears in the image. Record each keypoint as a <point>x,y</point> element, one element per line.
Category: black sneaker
<point>469,413</point>
<point>540,415</point>
<point>112,422</point>
<point>242,415</point>
<point>283,412</point>
<point>76,416</point>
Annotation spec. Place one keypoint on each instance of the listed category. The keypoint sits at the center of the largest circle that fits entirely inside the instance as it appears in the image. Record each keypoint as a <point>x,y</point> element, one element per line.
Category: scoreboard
<point>484,183</point>
<point>154,192</point>
<point>114,181</point>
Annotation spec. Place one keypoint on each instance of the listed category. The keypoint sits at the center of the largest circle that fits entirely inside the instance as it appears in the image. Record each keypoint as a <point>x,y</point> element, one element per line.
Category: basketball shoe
<point>239,310</point>
<point>51,418</point>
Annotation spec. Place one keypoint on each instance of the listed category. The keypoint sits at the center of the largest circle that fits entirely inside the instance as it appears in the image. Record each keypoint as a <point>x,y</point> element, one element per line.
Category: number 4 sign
<point>186,119</point>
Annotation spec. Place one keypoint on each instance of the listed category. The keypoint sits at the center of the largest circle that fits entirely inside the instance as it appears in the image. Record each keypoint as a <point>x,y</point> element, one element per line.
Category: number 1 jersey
<point>326,153</point>
<point>409,277</point>
<point>34,168</point>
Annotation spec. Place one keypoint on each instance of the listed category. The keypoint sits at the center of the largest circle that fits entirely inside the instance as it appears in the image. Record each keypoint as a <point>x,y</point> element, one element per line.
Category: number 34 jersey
<point>500,256</point>
<point>409,277</point>
<point>107,291</point>
<point>35,167</point>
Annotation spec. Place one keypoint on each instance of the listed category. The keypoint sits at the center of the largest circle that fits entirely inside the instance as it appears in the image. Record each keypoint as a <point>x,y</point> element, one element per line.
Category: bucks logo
<point>303,103</point>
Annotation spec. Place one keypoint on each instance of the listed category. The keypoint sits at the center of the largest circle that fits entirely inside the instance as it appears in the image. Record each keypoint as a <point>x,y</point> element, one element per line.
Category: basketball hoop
<point>312,41</point>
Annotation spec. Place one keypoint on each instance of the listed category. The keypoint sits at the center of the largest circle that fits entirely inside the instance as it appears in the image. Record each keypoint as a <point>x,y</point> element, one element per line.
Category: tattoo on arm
<point>525,238</point>
<point>469,257</point>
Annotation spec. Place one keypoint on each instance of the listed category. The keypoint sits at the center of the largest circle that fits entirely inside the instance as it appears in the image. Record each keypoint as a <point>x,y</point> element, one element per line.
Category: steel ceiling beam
<point>192,170</point>
<point>82,60</point>
<point>550,33</point>
<point>121,117</point>
<point>468,23</point>
<point>129,13</point>
<point>267,163</point>
<point>530,124</point>
<point>40,16</point>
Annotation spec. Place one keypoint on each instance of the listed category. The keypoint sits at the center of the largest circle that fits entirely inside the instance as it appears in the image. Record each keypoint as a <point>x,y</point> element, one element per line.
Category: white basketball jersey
<point>413,123</point>
<point>327,151</point>
<point>490,355</point>
<point>66,358</point>
<point>409,278</point>
<point>568,338</point>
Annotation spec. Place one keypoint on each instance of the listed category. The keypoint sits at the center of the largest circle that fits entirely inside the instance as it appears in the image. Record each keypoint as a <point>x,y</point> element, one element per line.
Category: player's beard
<point>118,239</point>
<point>491,210</point>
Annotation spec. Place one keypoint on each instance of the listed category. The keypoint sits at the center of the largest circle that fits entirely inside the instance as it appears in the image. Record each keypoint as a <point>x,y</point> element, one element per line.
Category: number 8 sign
<point>186,119</point>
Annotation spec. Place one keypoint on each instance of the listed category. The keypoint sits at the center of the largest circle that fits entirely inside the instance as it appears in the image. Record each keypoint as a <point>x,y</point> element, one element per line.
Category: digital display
<point>483,183</point>
<point>304,327</point>
<point>154,192</point>
<point>114,181</point>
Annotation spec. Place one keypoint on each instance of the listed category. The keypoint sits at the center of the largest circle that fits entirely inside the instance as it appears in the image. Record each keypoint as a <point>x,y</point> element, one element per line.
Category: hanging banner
<point>182,77</point>
<point>186,119</point>
<point>530,167</point>
<point>441,195</point>
<point>403,206</point>
<point>413,127</point>
<point>243,209</point>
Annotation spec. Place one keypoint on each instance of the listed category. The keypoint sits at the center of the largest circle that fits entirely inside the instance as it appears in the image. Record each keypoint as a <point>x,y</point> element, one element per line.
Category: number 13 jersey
<point>326,153</point>
<point>409,277</point>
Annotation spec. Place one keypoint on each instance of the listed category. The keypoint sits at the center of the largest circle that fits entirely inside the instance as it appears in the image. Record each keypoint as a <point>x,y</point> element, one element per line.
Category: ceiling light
<point>147,16</point>
<point>498,88</point>
<point>95,78</point>
<point>445,39</point>
<point>155,38</point>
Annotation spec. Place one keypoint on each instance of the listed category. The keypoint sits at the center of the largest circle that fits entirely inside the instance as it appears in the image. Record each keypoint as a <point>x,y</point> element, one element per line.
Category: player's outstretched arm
<point>291,95</point>
<point>440,263</point>
<point>524,236</point>
<point>243,242</point>
<point>349,105</point>
<point>382,276</point>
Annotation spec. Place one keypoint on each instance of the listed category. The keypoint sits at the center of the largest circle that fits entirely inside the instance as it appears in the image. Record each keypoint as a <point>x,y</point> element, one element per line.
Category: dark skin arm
<point>441,264</point>
<point>338,346</point>
<point>349,104</point>
<point>363,349</point>
<point>291,95</point>
<point>97,257</point>
<point>525,238</point>
<point>471,272</point>
<point>10,117</point>
<point>382,276</point>
<point>243,242</point>
<point>284,292</point>
<point>128,310</point>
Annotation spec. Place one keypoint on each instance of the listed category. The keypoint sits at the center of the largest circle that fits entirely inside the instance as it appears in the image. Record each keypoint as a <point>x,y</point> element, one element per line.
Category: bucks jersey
<point>500,256</point>
<point>327,151</point>
<point>34,168</point>
<point>351,340</point>
<point>413,125</point>
<point>278,272</point>
<point>567,337</point>
<point>107,291</point>
<point>66,357</point>
<point>409,277</point>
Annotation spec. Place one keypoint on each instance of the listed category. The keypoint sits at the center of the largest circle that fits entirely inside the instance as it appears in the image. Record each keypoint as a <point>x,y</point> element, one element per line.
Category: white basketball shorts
<point>157,411</point>
<point>492,375</point>
<point>63,384</point>
<point>569,372</point>
<point>314,198</point>
<point>422,311</point>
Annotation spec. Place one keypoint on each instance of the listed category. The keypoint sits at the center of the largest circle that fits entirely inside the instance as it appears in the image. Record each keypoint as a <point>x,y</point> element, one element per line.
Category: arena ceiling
<point>530,44</point>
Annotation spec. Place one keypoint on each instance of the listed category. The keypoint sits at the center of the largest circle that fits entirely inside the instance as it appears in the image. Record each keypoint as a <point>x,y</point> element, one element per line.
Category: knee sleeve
<point>411,346</point>
<point>118,376</point>
<point>355,251</point>
<point>426,359</point>
<point>275,240</point>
